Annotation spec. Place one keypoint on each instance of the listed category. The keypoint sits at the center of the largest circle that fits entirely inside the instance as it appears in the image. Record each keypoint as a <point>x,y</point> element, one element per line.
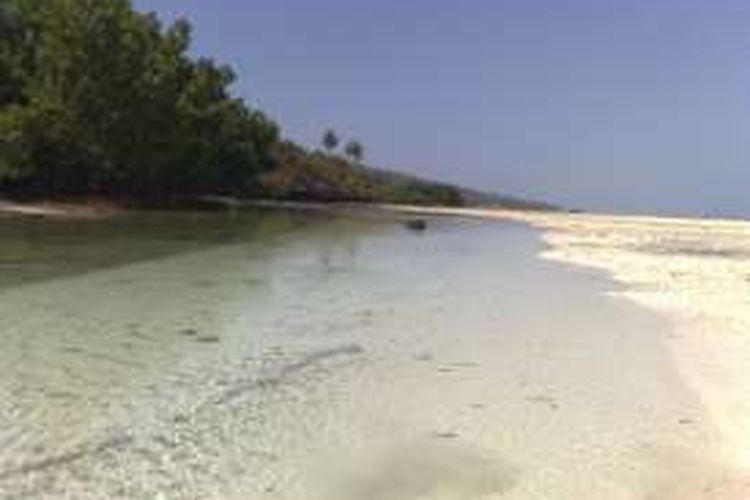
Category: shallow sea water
<point>286,355</point>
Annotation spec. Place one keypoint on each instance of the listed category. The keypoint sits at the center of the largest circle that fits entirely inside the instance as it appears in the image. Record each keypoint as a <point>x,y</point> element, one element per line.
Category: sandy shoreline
<point>697,272</point>
<point>694,271</point>
<point>60,210</point>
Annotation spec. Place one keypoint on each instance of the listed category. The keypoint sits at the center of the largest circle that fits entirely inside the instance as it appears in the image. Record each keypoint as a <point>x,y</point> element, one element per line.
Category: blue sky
<point>623,105</point>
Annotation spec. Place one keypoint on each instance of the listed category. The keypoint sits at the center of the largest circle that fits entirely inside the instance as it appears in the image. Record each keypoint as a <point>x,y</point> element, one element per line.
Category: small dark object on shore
<point>423,356</point>
<point>446,435</point>
<point>416,224</point>
<point>189,332</point>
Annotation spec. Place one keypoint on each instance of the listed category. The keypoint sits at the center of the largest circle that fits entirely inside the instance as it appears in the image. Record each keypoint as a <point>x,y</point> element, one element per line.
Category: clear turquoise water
<point>287,355</point>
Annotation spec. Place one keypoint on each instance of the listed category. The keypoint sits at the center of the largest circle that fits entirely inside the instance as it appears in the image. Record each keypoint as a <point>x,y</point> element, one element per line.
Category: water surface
<point>293,356</point>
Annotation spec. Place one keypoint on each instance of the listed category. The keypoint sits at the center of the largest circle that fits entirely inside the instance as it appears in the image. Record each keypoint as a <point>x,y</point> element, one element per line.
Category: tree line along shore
<point>98,99</point>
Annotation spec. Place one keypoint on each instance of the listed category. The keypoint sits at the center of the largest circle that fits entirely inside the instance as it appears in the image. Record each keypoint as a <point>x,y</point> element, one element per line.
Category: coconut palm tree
<point>355,151</point>
<point>330,140</point>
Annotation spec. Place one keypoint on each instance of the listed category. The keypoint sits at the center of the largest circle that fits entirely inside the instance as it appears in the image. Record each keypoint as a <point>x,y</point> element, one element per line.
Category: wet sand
<point>339,359</point>
<point>695,273</point>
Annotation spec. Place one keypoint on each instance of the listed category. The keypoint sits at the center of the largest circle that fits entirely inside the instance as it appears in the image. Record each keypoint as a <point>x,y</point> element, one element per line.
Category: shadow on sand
<point>424,469</point>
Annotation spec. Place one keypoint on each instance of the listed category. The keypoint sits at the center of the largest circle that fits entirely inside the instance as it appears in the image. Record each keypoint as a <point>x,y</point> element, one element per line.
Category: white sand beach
<point>696,272</point>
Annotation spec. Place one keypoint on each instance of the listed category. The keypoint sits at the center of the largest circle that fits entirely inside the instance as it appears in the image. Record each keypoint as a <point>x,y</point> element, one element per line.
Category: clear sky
<point>625,105</point>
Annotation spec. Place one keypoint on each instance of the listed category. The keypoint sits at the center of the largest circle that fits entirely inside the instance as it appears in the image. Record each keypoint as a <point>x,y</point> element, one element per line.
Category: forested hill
<point>97,98</point>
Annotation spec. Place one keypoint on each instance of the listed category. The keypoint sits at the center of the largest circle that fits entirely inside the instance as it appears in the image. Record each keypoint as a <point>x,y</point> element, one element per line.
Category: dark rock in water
<point>203,339</point>
<point>416,224</point>
<point>207,339</point>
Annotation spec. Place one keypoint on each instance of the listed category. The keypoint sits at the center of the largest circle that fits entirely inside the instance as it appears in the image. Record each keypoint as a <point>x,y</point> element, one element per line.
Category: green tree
<point>95,96</point>
<point>330,140</point>
<point>355,151</point>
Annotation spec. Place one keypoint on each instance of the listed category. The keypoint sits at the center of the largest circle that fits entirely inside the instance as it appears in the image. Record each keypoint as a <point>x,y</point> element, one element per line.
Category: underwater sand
<point>284,356</point>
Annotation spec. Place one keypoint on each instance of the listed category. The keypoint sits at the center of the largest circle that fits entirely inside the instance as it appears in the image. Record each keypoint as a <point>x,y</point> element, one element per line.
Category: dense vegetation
<point>319,176</point>
<point>97,98</point>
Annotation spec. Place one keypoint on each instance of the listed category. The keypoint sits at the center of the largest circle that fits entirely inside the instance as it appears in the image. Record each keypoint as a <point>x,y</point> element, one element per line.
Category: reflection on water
<point>113,331</point>
<point>290,356</point>
<point>47,249</point>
